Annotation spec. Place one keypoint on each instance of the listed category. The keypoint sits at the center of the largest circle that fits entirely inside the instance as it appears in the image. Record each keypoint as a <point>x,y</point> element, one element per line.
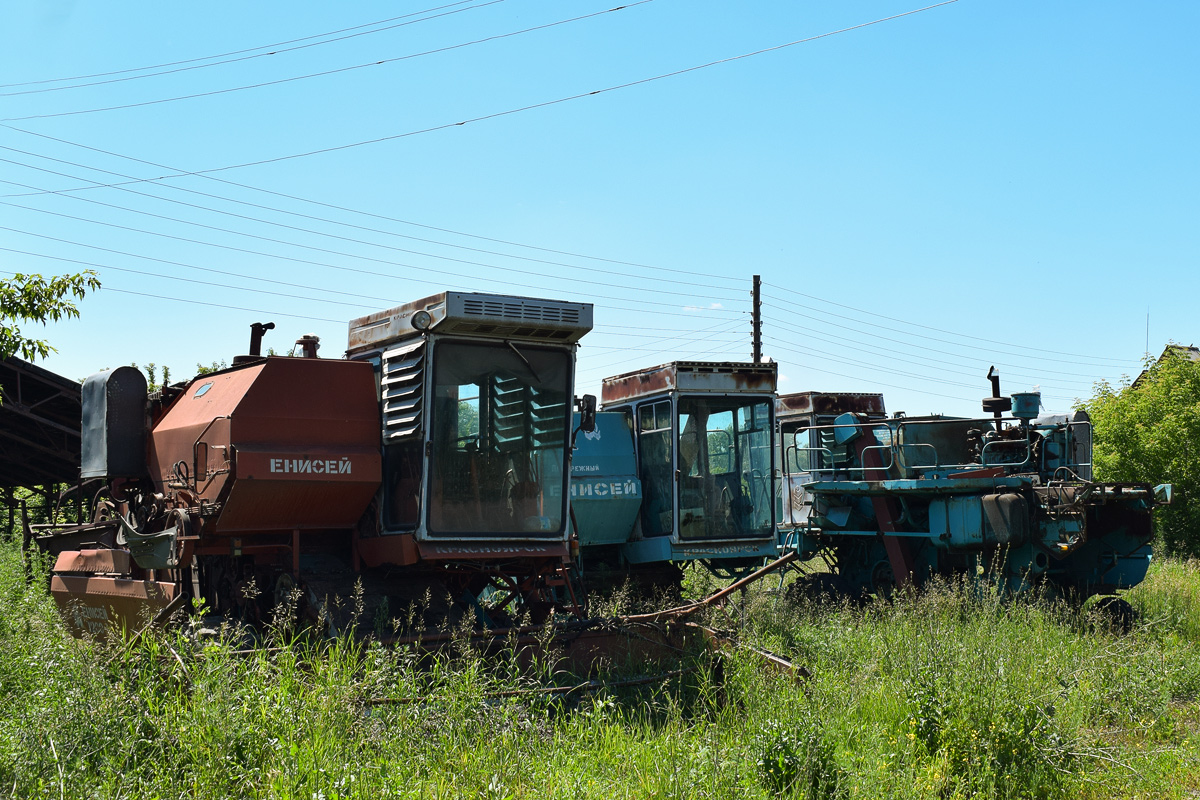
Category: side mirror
<point>587,413</point>
<point>200,462</point>
<point>1162,493</point>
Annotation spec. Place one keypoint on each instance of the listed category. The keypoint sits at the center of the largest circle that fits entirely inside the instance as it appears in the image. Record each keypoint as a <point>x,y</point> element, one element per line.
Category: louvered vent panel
<point>827,441</point>
<point>549,417</point>
<point>525,418</point>
<point>531,312</point>
<point>508,414</point>
<point>402,391</point>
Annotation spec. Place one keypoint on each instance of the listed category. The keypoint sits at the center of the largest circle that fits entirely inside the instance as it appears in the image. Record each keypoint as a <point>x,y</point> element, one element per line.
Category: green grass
<point>944,695</point>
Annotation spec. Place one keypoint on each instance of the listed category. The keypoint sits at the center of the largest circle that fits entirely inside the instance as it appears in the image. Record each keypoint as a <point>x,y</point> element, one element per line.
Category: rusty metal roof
<point>691,376</point>
<point>39,426</point>
<point>829,404</point>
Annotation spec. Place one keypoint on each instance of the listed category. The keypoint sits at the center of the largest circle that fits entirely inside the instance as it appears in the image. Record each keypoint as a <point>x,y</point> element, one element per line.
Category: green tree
<point>468,421</point>
<point>37,299</point>
<point>1149,432</point>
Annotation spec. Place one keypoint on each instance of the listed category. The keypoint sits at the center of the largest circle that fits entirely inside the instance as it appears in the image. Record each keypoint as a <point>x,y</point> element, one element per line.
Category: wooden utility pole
<point>756,317</point>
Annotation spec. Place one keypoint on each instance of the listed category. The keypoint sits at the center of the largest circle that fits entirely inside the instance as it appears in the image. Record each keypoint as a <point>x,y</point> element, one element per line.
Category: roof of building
<point>1190,352</point>
<point>40,420</point>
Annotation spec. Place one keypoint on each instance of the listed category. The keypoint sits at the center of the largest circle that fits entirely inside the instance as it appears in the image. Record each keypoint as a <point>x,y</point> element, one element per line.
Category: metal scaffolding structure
<point>40,419</point>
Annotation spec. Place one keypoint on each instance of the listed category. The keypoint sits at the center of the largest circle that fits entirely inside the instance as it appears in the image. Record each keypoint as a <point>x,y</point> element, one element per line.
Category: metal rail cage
<point>1058,446</point>
<point>1012,494</point>
<point>798,415</point>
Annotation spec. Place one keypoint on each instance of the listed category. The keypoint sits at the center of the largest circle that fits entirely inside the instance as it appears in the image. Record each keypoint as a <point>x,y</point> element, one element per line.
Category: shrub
<point>798,756</point>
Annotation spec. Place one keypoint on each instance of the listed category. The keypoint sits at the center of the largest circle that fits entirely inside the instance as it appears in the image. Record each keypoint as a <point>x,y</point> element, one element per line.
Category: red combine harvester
<point>431,463</point>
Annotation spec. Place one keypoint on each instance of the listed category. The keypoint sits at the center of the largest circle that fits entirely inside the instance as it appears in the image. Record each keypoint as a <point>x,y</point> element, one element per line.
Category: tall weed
<point>946,694</point>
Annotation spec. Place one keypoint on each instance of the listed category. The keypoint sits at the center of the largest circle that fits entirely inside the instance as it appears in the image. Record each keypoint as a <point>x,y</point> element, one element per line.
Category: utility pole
<point>756,317</point>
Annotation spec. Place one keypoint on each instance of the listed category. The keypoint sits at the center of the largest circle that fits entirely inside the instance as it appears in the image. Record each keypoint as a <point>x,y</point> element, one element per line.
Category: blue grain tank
<point>606,494</point>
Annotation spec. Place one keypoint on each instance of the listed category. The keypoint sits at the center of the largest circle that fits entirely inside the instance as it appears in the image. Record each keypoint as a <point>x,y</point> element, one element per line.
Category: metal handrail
<point>897,448</point>
<point>1000,443</point>
<point>795,447</point>
<point>935,463</point>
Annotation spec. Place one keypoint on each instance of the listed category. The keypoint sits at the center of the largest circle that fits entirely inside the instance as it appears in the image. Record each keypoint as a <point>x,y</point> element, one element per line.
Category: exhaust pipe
<point>256,334</point>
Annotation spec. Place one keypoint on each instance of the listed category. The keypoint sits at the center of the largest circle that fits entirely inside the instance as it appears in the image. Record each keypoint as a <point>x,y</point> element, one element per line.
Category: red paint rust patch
<point>829,404</point>
<point>690,376</point>
<point>111,562</point>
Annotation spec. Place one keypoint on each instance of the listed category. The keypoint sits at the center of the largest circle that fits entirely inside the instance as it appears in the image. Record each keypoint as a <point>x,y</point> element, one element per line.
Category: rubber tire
<point>1120,615</point>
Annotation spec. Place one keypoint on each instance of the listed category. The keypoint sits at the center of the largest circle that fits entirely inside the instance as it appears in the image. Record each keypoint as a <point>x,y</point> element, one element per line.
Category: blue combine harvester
<point>680,468</point>
<point>1008,498</point>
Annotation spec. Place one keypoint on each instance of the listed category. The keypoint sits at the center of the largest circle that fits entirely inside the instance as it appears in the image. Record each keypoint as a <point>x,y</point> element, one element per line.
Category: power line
<point>929,327</point>
<point>360,241</point>
<point>623,330</point>
<point>599,350</point>
<point>225,306</point>
<point>726,348</point>
<point>205,303</point>
<point>190,266</point>
<point>809,351</point>
<point>597,331</point>
<point>789,289</point>
<point>692,340</point>
<point>850,361</point>
<point>205,173</point>
<point>97,265</point>
<point>877,349</point>
<point>321,204</point>
<point>920,347</point>
<point>226,60</point>
<point>329,235</point>
<point>324,73</point>
<point>326,265</point>
<point>185,280</point>
<point>599,373</point>
<point>689,295</point>
<point>688,315</point>
<point>533,106</point>
<point>784,288</point>
<point>219,305</point>
<point>872,381</point>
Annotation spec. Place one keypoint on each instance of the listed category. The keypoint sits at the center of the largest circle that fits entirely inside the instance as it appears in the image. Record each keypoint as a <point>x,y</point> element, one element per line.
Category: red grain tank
<point>280,444</point>
<point>242,470</point>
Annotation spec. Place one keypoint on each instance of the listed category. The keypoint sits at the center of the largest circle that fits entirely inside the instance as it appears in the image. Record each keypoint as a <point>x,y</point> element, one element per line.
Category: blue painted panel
<point>606,494</point>
<point>660,548</point>
<point>1129,570</point>
<point>647,551</point>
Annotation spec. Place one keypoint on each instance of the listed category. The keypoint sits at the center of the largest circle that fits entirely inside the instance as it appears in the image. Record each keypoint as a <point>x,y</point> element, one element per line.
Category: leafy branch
<point>37,299</point>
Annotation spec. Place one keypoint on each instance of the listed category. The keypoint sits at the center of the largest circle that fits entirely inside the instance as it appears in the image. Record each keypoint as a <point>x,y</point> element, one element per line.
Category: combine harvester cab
<point>476,405</point>
<point>430,463</point>
<point>1007,499</point>
<point>689,447</point>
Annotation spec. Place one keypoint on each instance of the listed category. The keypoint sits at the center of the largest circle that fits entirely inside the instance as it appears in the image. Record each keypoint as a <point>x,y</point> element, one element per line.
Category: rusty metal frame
<point>40,420</point>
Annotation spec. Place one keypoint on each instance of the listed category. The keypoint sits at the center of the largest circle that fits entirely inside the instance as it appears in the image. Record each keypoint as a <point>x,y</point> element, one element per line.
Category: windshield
<point>499,436</point>
<point>797,455</point>
<point>725,469</point>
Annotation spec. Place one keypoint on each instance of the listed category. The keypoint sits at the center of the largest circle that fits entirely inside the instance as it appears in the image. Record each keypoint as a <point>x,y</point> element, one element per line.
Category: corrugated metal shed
<point>40,421</point>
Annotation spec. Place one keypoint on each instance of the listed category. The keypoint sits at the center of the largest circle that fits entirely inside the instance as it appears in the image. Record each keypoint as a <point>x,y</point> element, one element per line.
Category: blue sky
<point>984,182</point>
